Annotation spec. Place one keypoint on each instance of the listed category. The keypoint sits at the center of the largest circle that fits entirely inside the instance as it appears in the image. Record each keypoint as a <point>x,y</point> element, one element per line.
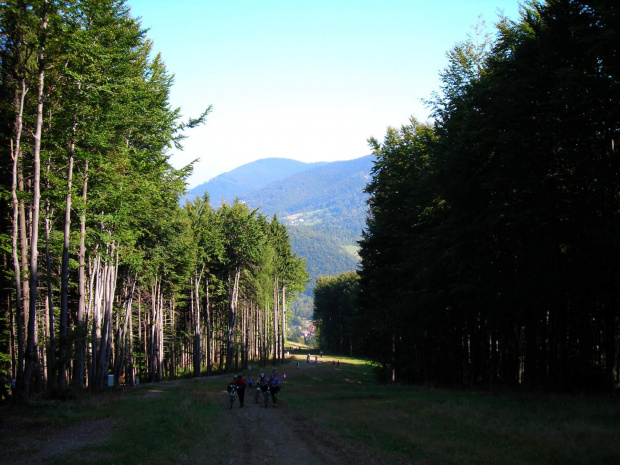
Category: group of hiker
<point>272,383</point>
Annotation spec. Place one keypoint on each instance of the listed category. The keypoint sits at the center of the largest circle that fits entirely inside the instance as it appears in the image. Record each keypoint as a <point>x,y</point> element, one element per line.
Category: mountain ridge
<point>249,177</point>
<point>323,205</point>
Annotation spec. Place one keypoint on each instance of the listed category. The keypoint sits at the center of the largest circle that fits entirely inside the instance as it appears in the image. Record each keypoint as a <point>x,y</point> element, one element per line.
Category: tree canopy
<point>121,280</point>
<point>491,253</point>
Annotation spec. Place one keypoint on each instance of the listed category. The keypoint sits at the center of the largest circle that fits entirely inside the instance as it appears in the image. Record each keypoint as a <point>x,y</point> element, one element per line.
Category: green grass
<point>299,345</point>
<point>434,426</point>
<point>352,249</point>
<point>156,425</point>
<point>177,422</point>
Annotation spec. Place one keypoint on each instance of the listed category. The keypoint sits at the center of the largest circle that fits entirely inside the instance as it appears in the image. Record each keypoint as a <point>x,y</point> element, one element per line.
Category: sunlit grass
<point>177,422</point>
<point>352,249</point>
<point>298,345</point>
<point>434,426</point>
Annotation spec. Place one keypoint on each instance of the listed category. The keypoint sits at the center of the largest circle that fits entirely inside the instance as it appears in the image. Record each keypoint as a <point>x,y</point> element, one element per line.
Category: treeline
<point>335,304</point>
<point>102,271</point>
<point>491,252</point>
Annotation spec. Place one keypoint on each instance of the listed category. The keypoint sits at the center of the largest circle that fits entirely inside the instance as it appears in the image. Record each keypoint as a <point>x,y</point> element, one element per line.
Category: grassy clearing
<point>299,346</point>
<point>177,422</point>
<point>352,249</point>
<point>156,424</point>
<point>432,426</point>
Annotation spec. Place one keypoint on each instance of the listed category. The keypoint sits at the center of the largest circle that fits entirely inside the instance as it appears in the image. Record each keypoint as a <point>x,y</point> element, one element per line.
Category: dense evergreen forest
<point>103,273</point>
<point>491,253</point>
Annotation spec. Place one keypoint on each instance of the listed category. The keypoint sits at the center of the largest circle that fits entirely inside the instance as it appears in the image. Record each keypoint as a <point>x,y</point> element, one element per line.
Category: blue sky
<point>310,80</point>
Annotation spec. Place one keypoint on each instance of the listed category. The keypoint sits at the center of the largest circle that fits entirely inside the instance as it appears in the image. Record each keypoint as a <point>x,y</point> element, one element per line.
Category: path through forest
<point>282,436</point>
<point>252,434</point>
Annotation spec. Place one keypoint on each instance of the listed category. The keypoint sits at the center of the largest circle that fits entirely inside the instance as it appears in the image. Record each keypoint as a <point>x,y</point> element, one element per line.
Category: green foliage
<point>329,198</point>
<point>490,254</point>
<point>302,307</point>
<point>335,305</point>
<point>324,253</point>
<point>108,128</point>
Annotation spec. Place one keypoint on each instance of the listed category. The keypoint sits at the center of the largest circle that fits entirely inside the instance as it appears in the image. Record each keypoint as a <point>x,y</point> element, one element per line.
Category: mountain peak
<point>249,177</point>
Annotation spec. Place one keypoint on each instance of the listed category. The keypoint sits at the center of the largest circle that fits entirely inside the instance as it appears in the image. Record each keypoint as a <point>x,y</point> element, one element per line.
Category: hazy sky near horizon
<point>311,80</point>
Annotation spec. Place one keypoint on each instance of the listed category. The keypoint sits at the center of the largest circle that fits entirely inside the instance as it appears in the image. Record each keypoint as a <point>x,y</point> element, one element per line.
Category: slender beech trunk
<point>19,311</point>
<point>233,293</point>
<point>153,332</point>
<point>266,322</point>
<point>18,218</point>
<point>108,284</point>
<point>208,326</point>
<point>51,348</point>
<point>34,234</point>
<point>80,323</point>
<point>23,245</point>
<point>160,335</point>
<point>95,305</point>
<point>130,373</point>
<point>173,340</point>
<point>244,336</point>
<point>283,325</point>
<point>64,275</point>
<point>90,315</point>
<point>156,348</point>
<point>196,306</point>
<point>122,339</point>
<point>276,312</point>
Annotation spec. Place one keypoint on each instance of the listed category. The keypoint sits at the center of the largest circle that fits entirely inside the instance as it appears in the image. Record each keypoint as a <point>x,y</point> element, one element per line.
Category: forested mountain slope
<point>323,205</point>
<point>329,195</point>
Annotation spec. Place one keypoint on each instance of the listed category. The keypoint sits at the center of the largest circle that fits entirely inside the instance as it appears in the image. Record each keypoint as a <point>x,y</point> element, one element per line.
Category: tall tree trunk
<point>160,339</point>
<point>283,325</point>
<point>196,305</point>
<point>121,343</point>
<point>18,220</point>
<point>64,275</point>
<point>24,247</point>
<point>153,332</point>
<point>19,310</point>
<point>34,234</point>
<point>276,312</point>
<point>156,348</point>
<point>233,293</point>
<point>94,306</point>
<point>105,289</point>
<point>130,373</point>
<point>208,327</point>
<point>51,349</point>
<point>80,323</point>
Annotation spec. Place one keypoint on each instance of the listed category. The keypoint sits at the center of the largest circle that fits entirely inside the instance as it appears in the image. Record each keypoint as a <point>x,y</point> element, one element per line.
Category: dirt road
<point>250,435</point>
<point>256,434</point>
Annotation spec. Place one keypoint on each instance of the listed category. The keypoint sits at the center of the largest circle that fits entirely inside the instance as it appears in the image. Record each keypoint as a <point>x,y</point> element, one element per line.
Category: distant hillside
<point>331,196</point>
<point>322,204</point>
<point>323,250</point>
<point>247,178</point>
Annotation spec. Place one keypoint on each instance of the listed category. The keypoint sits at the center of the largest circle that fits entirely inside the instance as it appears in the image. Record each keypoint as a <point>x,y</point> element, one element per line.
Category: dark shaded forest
<point>491,253</point>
